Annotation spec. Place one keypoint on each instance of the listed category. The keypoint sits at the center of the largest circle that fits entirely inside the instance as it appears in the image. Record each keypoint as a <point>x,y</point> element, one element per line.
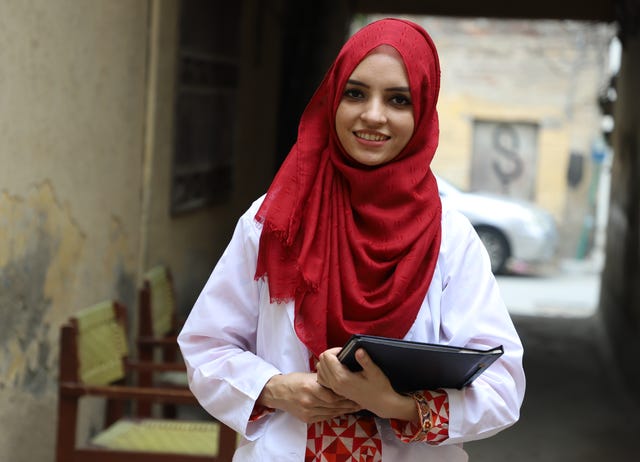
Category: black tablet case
<point>412,366</point>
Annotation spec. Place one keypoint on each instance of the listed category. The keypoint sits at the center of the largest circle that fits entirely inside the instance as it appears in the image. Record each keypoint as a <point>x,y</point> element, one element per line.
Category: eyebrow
<point>362,84</point>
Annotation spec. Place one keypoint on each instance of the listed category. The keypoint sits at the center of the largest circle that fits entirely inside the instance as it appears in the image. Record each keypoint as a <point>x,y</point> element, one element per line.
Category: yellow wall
<point>454,155</point>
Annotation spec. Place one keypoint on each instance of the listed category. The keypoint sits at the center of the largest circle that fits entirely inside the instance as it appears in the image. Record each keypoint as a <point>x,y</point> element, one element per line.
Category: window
<point>504,158</point>
<point>208,72</point>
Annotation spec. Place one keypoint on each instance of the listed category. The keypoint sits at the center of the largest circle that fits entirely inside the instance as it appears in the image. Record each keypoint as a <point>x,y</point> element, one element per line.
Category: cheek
<point>412,127</point>
<point>406,126</point>
<point>342,121</point>
<point>340,115</point>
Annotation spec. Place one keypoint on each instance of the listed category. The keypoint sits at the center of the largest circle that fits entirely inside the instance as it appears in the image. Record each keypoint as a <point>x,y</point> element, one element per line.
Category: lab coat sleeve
<point>218,340</point>
<point>473,314</point>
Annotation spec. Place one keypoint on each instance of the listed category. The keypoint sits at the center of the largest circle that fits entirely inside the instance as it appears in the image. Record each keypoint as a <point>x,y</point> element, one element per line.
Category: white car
<point>518,235</point>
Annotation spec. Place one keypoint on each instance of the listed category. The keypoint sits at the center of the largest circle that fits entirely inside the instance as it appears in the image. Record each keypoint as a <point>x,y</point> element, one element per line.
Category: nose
<point>374,112</point>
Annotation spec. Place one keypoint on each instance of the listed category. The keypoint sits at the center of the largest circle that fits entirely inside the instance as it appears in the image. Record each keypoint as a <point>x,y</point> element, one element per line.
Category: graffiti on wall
<point>504,158</point>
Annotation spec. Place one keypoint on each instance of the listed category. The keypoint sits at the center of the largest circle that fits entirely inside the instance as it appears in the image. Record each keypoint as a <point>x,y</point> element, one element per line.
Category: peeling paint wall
<point>40,245</point>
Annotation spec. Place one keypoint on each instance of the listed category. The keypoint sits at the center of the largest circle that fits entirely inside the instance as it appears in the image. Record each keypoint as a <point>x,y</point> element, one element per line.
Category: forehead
<point>382,66</point>
<point>385,50</point>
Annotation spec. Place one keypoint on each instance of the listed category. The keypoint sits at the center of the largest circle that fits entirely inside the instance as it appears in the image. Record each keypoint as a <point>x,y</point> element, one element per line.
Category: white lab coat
<point>234,340</point>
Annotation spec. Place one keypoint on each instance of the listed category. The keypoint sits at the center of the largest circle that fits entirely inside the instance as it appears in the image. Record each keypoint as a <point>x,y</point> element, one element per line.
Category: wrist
<point>399,406</point>
<point>425,422</point>
<point>268,396</point>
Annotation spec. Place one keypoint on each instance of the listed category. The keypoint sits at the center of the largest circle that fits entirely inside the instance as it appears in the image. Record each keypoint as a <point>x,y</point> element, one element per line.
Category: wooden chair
<point>158,328</point>
<point>94,362</point>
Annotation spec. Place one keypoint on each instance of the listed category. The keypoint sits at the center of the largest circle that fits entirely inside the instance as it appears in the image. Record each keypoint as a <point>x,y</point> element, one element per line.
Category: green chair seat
<point>163,436</point>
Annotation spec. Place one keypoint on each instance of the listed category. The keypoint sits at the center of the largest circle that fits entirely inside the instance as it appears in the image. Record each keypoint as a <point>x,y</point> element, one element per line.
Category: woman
<point>352,238</point>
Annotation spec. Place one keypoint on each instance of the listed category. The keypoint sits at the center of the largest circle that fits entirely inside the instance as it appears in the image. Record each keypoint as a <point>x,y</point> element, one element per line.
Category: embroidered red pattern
<point>347,438</point>
<point>438,402</point>
<point>355,438</point>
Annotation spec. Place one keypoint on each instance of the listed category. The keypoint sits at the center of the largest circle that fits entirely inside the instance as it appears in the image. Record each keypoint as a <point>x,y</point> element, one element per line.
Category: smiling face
<point>374,120</point>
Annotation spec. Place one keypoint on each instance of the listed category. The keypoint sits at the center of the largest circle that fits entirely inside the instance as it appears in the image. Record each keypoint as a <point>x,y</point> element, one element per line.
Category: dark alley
<point>576,407</point>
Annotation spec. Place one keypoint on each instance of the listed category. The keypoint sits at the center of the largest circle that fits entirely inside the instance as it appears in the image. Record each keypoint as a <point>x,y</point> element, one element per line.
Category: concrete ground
<point>576,407</point>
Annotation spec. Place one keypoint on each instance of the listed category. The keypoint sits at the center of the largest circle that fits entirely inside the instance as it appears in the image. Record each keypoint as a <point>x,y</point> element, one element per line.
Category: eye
<point>354,93</point>
<point>400,100</point>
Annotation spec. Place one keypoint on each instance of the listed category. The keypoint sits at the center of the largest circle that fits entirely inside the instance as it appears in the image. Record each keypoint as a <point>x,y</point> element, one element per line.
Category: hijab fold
<point>356,246</point>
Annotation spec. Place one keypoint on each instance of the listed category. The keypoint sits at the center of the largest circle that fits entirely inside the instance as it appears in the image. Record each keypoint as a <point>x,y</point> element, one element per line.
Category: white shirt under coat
<point>235,340</point>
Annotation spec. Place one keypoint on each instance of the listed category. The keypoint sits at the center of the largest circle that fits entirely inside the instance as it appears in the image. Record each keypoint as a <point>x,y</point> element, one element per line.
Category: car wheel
<point>497,247</point>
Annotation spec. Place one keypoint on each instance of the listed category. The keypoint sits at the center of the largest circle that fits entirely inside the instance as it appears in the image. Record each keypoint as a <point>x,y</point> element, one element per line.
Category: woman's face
<point>374,120</point>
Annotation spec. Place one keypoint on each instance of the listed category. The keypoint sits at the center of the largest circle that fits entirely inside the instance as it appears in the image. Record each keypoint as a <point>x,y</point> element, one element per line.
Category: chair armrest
<point>158,341</point>
<point>126,393</point>
<point>150,366</point>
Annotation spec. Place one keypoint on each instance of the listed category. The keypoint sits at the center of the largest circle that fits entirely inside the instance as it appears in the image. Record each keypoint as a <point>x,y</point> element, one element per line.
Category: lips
<point>371,136</point>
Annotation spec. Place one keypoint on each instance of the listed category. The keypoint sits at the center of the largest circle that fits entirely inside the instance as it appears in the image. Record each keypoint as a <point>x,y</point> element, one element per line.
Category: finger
<point>363,358</point>
<point>332,412</point>
<point>369,367</point>
<point>327,398</point>
<point>325,415</point>
<point>328,369</point>
<point>329,358</point>
<point>334,351</point>
<point>340,406</point>
<point>321,391</point>
<point>345,404</point>
<point>323,378</point>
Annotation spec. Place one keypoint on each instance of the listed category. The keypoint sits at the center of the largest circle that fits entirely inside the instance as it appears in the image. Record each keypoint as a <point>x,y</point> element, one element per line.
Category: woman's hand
<point>301,395</point>
<point>370,388</point>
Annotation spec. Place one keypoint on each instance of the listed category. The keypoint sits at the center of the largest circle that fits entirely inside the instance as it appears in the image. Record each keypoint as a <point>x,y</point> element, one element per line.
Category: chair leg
<point>115,411</point>
<point>145,379</point>
<point>169,411</point>
<point>169,355</point>
<point>227,443</point>
<point>67,419</point>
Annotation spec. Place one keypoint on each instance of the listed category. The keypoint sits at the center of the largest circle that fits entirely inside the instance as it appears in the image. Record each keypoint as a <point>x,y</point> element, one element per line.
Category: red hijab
<point>356,246</point>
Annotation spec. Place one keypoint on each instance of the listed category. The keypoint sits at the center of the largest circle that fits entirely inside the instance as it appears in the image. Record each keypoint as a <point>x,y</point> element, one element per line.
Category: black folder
<point>412,366</point>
